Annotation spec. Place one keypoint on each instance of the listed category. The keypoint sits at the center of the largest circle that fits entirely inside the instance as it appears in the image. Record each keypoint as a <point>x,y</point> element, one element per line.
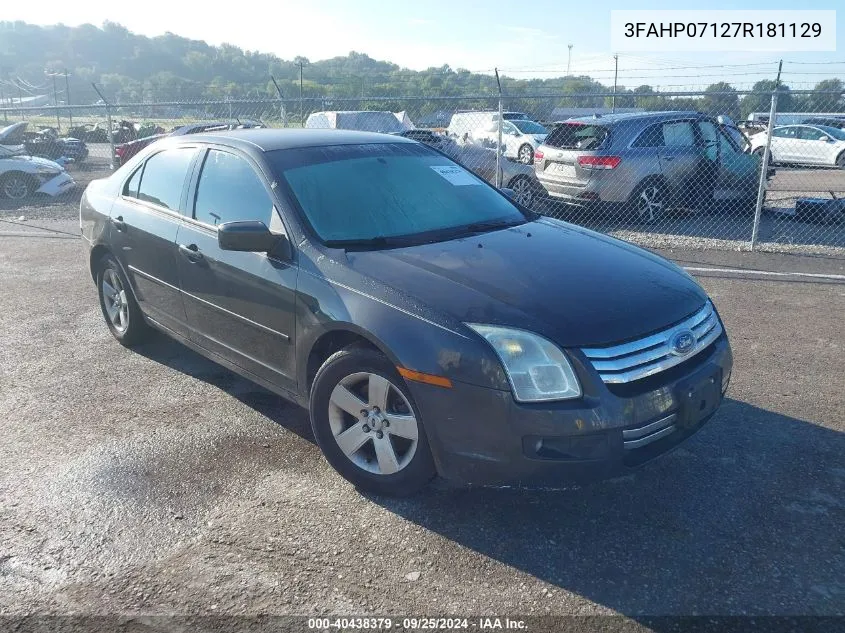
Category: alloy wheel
<point>114,298</point>
<point>523,192</point>
<point>650,203</point>
<point>16,187</point>
<point>526,155</point>
<point>373,423</point>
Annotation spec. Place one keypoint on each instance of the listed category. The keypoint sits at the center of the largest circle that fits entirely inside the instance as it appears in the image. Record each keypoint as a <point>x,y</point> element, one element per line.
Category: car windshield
<point>386,194</point>
<point>529,127</point>
<point>513,116</point>
<point>835,132</point>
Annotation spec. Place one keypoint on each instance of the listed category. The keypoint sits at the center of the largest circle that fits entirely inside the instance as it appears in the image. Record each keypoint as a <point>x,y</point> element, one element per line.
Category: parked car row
<point>125,151</point>
<point>22,175</point>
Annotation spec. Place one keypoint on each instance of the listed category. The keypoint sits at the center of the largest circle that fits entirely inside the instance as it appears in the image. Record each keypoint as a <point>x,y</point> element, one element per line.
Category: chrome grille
<point>651,432</point>
<point>650,355</point>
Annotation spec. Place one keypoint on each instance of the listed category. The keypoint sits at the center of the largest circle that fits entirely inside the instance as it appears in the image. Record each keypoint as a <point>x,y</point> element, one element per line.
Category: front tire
<point>524,191</point>
<point>120,310</point>
<point>17,185</point>
<point>840,160</point>
<point>365,422</point>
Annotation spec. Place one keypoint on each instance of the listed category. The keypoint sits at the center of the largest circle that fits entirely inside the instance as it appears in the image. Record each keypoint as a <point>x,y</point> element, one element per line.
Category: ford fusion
<point>429,324</point>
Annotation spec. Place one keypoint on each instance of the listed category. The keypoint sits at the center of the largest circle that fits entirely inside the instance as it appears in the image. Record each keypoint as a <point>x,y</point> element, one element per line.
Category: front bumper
<point>483,436</point>
<point>57,185</point>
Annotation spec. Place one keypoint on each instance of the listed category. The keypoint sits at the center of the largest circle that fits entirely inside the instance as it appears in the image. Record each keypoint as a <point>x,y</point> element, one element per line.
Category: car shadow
<point>744,518</point>
<point>167,351</point>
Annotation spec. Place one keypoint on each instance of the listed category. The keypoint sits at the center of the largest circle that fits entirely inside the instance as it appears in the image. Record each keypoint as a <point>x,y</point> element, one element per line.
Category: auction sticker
<point>456,175</point>
<point>728,30</point>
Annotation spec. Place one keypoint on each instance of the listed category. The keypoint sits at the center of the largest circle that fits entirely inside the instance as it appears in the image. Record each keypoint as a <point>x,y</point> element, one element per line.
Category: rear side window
<point>652,136</point>
<point>164,177</point>
<point>229,190</point>
<point>577,136</point>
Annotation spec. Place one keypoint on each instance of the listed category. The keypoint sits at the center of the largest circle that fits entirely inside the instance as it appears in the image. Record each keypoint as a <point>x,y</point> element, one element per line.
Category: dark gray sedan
<point>429,324</point>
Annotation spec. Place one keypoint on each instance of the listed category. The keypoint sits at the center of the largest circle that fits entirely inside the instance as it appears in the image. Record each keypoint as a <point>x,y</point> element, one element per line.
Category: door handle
<point>191,251</point>
<point>118,223</point>
<point>667,158</point>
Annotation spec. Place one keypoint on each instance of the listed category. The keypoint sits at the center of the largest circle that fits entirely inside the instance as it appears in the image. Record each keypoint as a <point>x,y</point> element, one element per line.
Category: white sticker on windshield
<point>456,175</point>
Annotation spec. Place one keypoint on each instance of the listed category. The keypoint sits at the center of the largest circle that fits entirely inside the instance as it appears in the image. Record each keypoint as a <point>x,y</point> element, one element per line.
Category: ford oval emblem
<point>682,342</point>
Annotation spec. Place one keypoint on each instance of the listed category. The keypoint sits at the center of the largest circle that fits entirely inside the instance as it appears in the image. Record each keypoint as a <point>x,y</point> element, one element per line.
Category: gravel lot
<point>155,482</point>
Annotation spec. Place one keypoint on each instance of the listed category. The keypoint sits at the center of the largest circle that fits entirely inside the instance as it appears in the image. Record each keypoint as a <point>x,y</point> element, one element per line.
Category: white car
<point>520,137</point>
<point>804,145</point>
<point>22,176</point>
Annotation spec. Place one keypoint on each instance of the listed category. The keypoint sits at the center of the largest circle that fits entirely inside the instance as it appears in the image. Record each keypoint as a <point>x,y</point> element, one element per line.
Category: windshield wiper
<point>491,225</point>
<point>379,241</point>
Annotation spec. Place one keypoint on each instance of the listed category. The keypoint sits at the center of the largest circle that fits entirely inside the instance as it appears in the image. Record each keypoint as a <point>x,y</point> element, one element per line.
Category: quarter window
<point>164,177</point>
<point>229,190</point>
<point>131,187</point>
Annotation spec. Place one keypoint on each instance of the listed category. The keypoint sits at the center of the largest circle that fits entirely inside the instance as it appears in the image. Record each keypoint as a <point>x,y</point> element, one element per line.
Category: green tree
<point>721,98</point>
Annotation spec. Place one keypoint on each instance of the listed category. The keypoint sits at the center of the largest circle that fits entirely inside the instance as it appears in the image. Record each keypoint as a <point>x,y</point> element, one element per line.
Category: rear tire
<point>648,202</point>
<point>365,422</point>
<point>117,302</point>
<point>840,160</point>
<point>525,155</point>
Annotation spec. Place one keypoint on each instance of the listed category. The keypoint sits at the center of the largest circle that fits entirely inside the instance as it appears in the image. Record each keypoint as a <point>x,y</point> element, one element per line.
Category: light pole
<point>569,59</point>
<point>52,75</point>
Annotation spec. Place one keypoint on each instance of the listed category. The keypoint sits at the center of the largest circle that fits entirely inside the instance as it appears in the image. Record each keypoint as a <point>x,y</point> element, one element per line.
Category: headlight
<point>47,171</point>
<point>537,370</point>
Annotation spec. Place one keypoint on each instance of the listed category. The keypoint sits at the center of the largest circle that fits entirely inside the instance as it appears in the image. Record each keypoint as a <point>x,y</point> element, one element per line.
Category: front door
<point>143,224</point>
<point>239,305</point>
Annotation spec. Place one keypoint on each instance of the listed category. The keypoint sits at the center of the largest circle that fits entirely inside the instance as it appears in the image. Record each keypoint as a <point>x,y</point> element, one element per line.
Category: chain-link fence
<point>661,169</point>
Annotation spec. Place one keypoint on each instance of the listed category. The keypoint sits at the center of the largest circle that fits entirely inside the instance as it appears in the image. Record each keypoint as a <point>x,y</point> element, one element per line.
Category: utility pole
<point>301,106</point>
<point>52,75</point>
<point>67,98</point>
<point>3,102</point>
<point>615,75</point>
<point>568,59</point>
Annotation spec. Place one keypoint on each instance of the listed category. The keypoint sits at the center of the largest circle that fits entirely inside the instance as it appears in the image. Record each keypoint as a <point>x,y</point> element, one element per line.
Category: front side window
<point>229,190</point>
<point>358,193</point>
<point>810,134</point>
<point>164,175</point>
<point>785,132</point>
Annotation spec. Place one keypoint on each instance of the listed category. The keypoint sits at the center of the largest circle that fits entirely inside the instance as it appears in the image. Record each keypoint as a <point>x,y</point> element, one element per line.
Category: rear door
<point>681,157</point>
<point>144,222</point>
<point>239,305</point>
<point>784,144</point>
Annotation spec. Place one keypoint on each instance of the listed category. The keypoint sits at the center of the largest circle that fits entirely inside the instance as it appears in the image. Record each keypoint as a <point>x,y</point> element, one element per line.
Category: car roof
<point>610,119</point>
<point>268,139</point>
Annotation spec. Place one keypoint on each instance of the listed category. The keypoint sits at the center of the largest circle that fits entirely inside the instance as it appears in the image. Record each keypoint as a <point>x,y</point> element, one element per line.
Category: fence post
<point>111,130</point>
<point>282,114</point>
<point>764,164</point>
<point>499,141</point>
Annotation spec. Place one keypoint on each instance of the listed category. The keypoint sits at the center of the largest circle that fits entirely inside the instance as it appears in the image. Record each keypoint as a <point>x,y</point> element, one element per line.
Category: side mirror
<point>253,237</point>
<point>824,138</point>
<point>510,193</point>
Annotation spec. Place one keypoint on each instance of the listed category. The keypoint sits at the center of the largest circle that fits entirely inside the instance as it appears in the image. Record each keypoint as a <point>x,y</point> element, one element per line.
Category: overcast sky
<point>523,38</point>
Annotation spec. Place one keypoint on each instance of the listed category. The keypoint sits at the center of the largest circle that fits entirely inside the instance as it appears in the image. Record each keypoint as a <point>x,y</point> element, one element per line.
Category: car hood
<point>569,284</point>
<point>31,163</point>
